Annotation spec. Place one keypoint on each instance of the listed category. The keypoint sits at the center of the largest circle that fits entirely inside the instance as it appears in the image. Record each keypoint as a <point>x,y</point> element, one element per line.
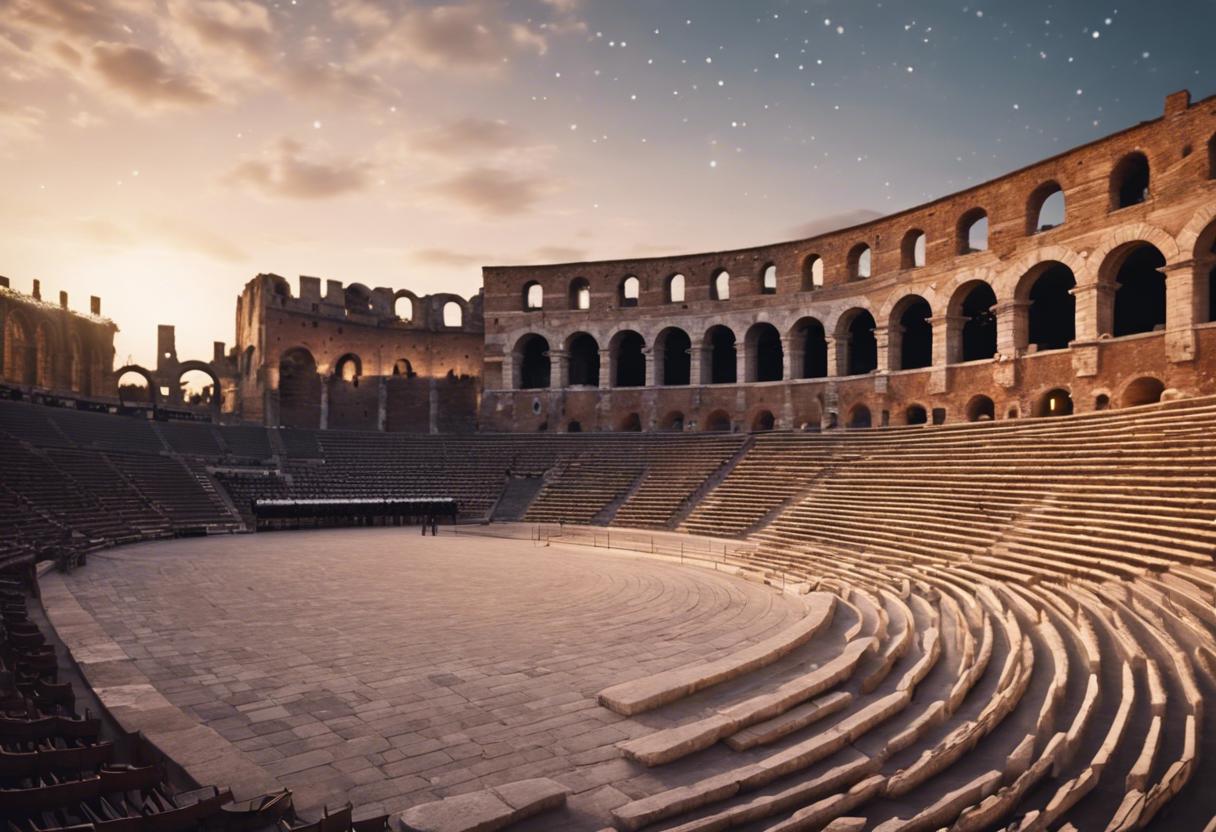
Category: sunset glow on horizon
<point>160,153</point>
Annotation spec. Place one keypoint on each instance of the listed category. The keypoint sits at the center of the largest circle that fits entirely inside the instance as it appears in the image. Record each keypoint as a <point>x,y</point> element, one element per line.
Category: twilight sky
<point>159,153</point>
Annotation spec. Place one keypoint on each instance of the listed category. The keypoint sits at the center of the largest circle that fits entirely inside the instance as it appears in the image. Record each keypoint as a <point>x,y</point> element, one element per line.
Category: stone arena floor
<point>388,669</point>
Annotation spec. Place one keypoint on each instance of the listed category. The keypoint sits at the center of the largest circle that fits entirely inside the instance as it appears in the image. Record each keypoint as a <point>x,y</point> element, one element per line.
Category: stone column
<point>1012,327</point>
<point>324,404</point>
<point>559,368</point>
<point>834,356</point>
<point>944,352</point>
<point>883,343</point>
<point>694,365</point>
<point>793,362</point>
<point>381,403</point>
<point>1095,310</point>
<point>741,353</point>
<point>607,369</point>
<point>1180,309</point>
<point>648,357</point>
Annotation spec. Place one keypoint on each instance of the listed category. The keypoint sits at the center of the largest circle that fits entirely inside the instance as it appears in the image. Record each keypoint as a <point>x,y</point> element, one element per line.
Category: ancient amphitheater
<point>930,546</point>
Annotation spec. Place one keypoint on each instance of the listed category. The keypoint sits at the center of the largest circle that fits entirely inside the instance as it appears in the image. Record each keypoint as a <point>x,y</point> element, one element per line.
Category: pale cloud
<point>159,231</point>
<point>468,136</point>
<point>283,171</point>
<point>19,123</point>
<point>141,76</point>
<point>559,254</point>
<point>493,191</point>
<point>833,222</point>
<point>454,258</point>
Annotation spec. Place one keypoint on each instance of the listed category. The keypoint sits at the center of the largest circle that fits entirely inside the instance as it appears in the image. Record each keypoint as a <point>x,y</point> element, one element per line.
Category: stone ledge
<point>485,810</point>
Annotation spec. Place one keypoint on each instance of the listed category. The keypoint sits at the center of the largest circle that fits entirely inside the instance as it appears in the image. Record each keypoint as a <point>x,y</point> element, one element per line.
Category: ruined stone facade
<point>46,346</point>
<point>977,305</point>
<point>357,358</point>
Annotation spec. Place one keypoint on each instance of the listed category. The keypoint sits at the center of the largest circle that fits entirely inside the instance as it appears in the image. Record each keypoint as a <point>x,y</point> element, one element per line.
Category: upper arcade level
<point>1154,182</point>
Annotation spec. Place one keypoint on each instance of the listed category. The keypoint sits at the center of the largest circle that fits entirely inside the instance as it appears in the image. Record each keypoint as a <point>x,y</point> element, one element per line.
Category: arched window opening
<point>631,423</point>
<point>630,369</point>
<point>580,294</point>
<point>583,355</point>
<point>349,368</point>
<point>631,287</point>
<point>916,415</point>
<point>1211,304</point>
<point>721,285</point>
<point>673,421</point>
<point>673,352</point>
<point>1045,209</point>
<point>403,308</point>
<point>915,335</point>
<point>912,249</point>
<point>719,366</point>
<point>981,409</point>
<point>764,421</point>
<point>1101,402</point>
<point>718,422</point>
<point>861,348</point>
<point>534,297</point>
<point>979,323</point>
<point>1056,402</point>
<point>1139,292</point>
<point>574,426</point>
<point>812,272</point>
<point>299,390</point>
<point>358,298</point>
<point>42,357</point>
<point>1144,390</point>
<point>403,368</point>
<point>973,231</point>
<point>19,352</point>
<point>859,417</point>
<point>859,262</point>
<point>1212,157</point>
<point>1129,181</point>
<point>133,388</point>
<point>765,355</point>
<point>453,314</point>
<point>809,338</point>
<point>768,280</point>
<point>197,388</point>
<point>675,288</point>
<point>1052,315</point>
<point>532,358</point>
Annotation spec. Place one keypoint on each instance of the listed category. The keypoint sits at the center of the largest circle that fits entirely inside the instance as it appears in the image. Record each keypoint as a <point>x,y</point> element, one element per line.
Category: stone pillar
<point>1180,309</point>
<point>835,350</point>
<point>883,343</point>
<point>381,403</point>
<point>559,368</point>
<point>1095,310</point>
<point>943,350</point>
<point>694,365</point>
<point>1012,327</point>
<point>741,368</point>
<point>648,357</point>
<point>324,404</point>
<point>793,362</point>
<point>607,369</point>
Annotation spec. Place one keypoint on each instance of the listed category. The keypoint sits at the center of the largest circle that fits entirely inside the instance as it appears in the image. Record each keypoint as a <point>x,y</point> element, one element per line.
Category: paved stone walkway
<point>388,669</point>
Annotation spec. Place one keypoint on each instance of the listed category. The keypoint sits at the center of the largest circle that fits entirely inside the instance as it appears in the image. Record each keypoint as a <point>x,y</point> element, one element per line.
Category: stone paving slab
<point>391,670</point>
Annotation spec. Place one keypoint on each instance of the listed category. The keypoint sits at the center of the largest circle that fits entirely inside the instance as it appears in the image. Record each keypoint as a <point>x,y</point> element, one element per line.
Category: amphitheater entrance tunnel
<point>1056,402</point>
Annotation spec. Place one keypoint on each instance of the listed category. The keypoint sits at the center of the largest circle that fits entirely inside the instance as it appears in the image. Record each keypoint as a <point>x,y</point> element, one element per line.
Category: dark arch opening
<point>767,357</point>
<point>1057,402</point>
<point>721,347</point>
<point>979,326</point>
<point>402,367</point>
<point>673,421</point>
<point>916,415</point>
<point>299,390</point>
<point>916,339</point>
<point>1129,181</point>
<point>718,421</point>
<point>583,355</point>
<point>859,417</point>
<point>580,293</point>
<point>809,333</point>
<point>861,352</point>
<point>1212,157</point>
<point>1139,292</point>
<point>534,366</point>
<point>358,298</point>
<point>981,409</point>
<point>629,359</point>
<point>1145,390</point>
<point>764,421</point>
<point>1052,323</point>
<point>674,349</point>
<point>574,426</point>
<point>1211,305</point>
<point>630,423</point>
